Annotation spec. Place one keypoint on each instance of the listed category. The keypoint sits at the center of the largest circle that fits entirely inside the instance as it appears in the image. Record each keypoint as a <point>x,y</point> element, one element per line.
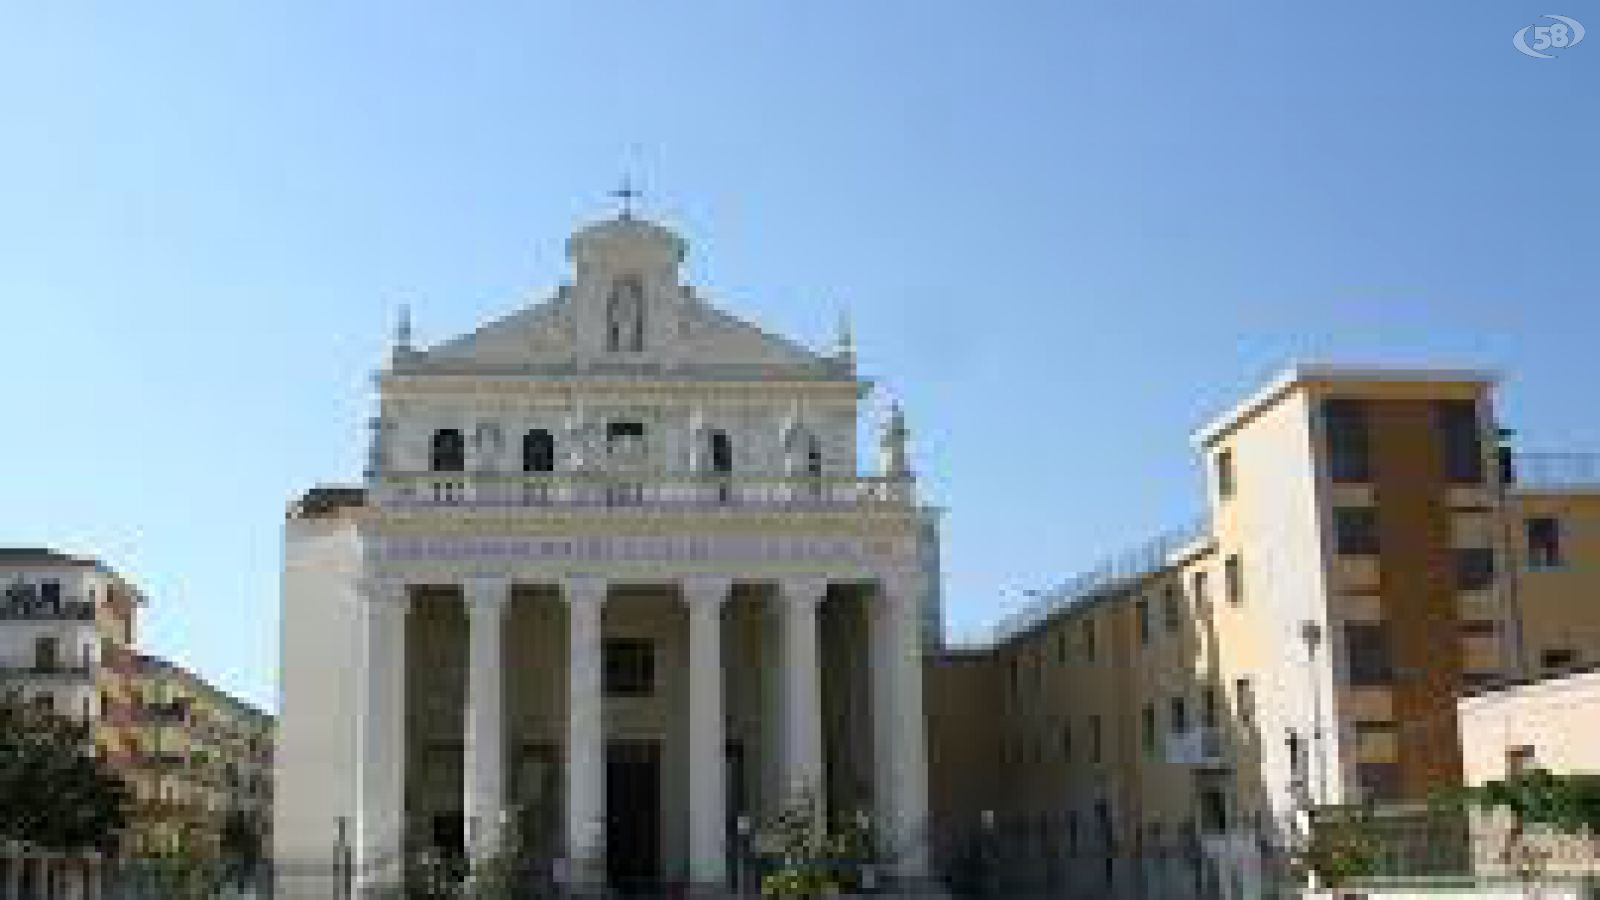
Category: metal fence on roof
<point>1114,572</point>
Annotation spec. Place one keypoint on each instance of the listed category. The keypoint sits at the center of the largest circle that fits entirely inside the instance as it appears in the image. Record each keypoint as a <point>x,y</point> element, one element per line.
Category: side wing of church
<point>613,590</point>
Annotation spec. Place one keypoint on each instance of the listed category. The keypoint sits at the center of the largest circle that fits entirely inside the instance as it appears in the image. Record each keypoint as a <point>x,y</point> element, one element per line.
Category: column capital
<point>900,587</point>
<point>383,592</point>
<point>486,593</point>
<point>701,591</point>
<point>584,588</point>
<point>803,590</point>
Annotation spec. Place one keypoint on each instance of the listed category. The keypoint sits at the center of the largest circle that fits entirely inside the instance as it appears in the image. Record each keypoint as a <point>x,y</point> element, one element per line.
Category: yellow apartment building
<point>204,756</point>
<point>1370,554</point>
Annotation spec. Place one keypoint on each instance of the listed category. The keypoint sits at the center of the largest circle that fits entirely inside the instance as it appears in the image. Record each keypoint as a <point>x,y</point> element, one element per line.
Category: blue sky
<point>1068,233</point>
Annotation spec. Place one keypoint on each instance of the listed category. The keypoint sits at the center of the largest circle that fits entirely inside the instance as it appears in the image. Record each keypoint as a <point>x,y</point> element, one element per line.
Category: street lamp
<point>1311,634</point>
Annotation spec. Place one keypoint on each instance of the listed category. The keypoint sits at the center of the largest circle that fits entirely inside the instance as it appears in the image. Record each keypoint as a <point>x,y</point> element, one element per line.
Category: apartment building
<point>1370,554</point>
<point>189,752</point>
<point>66,629</point>
<point>204,761</point>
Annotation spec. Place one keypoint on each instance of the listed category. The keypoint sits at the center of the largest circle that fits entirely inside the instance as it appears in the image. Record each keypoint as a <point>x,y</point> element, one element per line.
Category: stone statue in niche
<point>489,442</point>
<point>625,315</point>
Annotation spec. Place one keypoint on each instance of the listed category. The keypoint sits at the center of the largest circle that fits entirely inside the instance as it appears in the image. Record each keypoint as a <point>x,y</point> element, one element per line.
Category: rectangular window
<point>1141,611</point>
<point>46,654</point>
<point>1225,484</point>
<point>1088,640</point>
<point>1178,709</point>
<point>1198,589</point>
<point>1355,530</point>
<point>1066,740</point>
<point>1096,744</point>
<point>1233,579</point>
<point>1462,440</point>
<point>1213,810</point>
<point>1147,728</point>
<point>50,593</point>
<point>1171,608</point>
<point>1544,543</point>
<point>630,667</point>
<point>1245,700</point>
<point>1557,659</point>
<point>1367,652</point>
<point>1474,568</point>
<point>1380,781</point>
<point>1061,647</point>
<point>1345,427</point>
<point>1208,707</point>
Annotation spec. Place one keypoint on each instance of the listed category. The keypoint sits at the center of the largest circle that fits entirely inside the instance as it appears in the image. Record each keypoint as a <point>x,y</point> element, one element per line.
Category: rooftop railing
<point>1555,470</point>
<point>416,490</point>
<point>1110,575</point>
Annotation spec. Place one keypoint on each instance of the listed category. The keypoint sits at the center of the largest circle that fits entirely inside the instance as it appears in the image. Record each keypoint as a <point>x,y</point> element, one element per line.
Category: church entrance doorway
<point>633,815</point>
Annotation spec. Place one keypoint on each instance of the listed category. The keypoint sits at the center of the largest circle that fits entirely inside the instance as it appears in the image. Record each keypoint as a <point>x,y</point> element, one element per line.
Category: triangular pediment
<point>541,337</point>
<point>626,309</point>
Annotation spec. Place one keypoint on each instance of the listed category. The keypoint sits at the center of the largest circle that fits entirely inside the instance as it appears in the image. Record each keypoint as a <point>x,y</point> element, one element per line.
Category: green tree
<point>55,792</point>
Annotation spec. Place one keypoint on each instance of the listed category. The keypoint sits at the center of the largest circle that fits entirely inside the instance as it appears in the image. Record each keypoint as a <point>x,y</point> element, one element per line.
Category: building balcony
<point>616,490</point>
<point>1200,746</point>
<point>12,609</point>
<point>57,671</point>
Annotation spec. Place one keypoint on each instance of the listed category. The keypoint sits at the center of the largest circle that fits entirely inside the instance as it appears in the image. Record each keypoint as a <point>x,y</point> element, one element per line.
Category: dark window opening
<point>538,451</point>
<point>1462,439</point>
<point>1233,579</point>
<point>1380,781</point>
<point>1171,609</point>
<point>1544,543</point>
<point>1225,478</point>
<point>1474,568</point>
<point>1367,652</point>
<point>1142,612</point>
<point>1355,530</point>
<point>1345,427</point>
<point>721,453</point>
<point>449,451</point>
<point>1556,659</point>
<point>1178,712</point>
<point>630,667</point>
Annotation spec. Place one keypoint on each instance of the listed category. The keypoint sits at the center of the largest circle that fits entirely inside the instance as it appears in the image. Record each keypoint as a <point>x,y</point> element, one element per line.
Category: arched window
<point>538,451</point>
<point>721,453</point>
<point>449,452</point>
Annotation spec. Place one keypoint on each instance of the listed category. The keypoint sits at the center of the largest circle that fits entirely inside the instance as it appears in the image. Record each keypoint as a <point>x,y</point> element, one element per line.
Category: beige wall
<point>1559,606</point>
<point>1558,719</point>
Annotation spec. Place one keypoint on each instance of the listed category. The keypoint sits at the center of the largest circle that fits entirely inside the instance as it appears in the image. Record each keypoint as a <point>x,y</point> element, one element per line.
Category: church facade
<point>613,592</point>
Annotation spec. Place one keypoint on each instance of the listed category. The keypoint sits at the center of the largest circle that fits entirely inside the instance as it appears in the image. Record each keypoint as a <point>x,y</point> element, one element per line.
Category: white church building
<point>614,584</point>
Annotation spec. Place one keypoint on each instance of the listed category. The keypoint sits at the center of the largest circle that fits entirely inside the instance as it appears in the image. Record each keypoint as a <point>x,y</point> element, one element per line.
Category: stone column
<point>801,752</point>
<point>586,764</point>
<point>381,736</point>
<point>900,745</point>
<point>483,761</point>
<point>708,852</point>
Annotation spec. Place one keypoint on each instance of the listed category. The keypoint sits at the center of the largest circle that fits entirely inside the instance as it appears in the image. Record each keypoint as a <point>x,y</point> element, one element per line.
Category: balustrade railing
<point>627,489</point>
<point>1552,470</point>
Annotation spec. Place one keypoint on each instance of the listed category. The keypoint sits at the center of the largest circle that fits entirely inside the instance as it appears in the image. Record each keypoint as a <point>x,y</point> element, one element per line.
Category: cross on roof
<point>627,193</point>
